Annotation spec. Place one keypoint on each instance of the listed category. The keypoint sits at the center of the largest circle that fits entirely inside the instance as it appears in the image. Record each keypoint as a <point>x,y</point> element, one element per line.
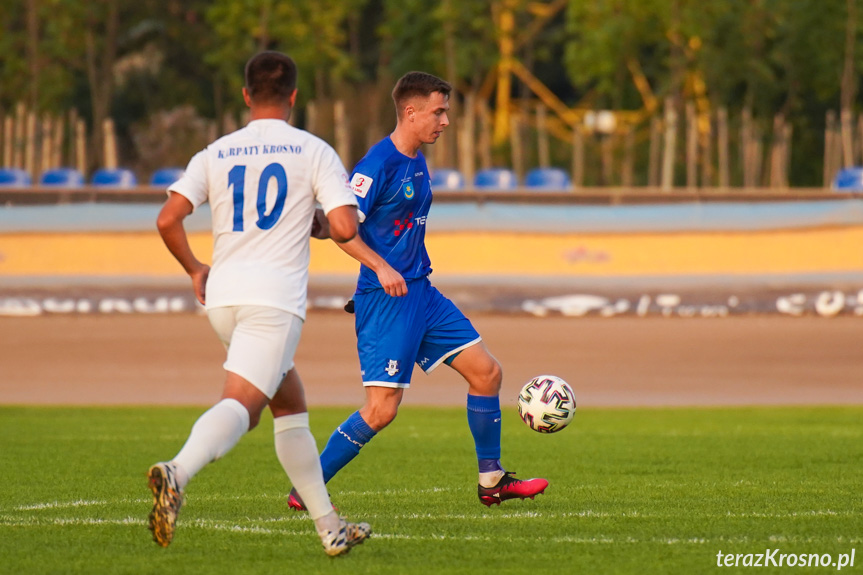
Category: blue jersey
<point>394,195</point>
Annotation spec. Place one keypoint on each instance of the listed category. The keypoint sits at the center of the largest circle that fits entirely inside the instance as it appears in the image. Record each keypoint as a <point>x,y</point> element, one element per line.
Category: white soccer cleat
<point>167,500</point>
<point>346,538</point>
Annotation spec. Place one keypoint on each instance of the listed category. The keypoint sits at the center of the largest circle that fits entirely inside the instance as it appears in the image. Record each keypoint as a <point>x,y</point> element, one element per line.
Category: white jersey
<point>262,182</point>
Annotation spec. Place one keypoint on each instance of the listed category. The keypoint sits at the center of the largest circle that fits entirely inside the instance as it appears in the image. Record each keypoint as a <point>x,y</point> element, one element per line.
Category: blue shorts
<point>393,333</point>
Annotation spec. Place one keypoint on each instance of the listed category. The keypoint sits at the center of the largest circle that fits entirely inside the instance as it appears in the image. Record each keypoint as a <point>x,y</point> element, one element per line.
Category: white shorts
<point>261,342</point>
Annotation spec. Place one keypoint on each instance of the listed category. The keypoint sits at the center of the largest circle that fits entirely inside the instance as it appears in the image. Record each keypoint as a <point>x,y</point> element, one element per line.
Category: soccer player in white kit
<point>262,182</point>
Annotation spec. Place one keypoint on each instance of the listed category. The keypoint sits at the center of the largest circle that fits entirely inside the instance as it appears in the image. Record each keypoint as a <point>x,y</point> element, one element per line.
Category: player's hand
<point>320,225</point>
<point>392,282</point>
<point>199,282</point>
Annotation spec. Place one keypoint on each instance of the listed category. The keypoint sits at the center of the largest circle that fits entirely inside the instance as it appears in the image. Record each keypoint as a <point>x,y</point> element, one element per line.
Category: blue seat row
<point>849,180</point>
<point>72,178</point>
<point>442,179</point>
<point>502,179</point>
<point>846,180</point>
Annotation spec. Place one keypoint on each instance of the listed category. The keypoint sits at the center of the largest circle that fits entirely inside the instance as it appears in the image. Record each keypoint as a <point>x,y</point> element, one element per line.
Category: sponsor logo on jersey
<point>392,367</point>
<point>402,224</point>
<point>409,190</point>
<point>361,184</point>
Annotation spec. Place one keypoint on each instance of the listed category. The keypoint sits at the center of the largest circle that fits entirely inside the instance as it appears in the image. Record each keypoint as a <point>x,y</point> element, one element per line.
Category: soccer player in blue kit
<point>401,319</point>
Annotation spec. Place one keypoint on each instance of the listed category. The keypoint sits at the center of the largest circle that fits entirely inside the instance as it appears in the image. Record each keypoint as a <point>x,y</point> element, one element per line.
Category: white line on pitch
<point>58,505</point>
<point>8,521</point>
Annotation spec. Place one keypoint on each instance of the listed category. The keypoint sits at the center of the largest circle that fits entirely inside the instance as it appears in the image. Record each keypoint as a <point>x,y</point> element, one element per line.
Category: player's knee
<point>494,377</point>
<point>254,420</point>
<point>386,416</point>
<point>496,374</point>
<point>255,408</point>
<point>379,416</point>
<point>489,379</point>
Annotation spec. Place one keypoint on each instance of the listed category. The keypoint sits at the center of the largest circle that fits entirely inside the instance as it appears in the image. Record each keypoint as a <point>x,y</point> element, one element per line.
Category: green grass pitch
<point>632,491</point>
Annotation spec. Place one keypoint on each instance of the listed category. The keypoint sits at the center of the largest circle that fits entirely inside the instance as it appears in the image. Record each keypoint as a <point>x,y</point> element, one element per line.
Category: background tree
<point>313,32</point>
<point>30,70</point>
<point>454,40</point>
<point>134,60</point>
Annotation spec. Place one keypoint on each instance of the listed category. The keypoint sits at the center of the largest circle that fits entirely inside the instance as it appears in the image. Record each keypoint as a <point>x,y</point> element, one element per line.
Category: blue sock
<point>345,444</point>
<point>483,418</point>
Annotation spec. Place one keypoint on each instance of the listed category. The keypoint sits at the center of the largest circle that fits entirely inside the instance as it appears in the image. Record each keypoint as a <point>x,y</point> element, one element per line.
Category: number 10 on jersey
<point>237,181</point>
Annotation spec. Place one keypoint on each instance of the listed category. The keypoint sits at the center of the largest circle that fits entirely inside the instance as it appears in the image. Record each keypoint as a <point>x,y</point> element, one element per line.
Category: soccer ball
<point>546,404</point>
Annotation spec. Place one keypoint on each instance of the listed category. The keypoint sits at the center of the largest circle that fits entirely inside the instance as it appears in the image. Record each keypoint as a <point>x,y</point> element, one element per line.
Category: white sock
<point>298,454</point>
<point>213,435</point>
<point>328,523</point>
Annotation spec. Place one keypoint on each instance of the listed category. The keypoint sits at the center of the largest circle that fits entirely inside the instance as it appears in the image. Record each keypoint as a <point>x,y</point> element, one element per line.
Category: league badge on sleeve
<point>361,184</point>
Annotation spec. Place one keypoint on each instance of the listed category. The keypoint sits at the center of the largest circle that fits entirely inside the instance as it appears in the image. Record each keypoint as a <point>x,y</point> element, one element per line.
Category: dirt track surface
<point>176,360</point>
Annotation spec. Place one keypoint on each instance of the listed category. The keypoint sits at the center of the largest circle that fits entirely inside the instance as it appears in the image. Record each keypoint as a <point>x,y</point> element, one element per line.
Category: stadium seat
<point>547,179</point>
<point>14,178</point>
<point>117,177</point>
<point>68,177</point>
<point>166,176</point>
<point>446,179</point>
<point>496,178</point>
<point>849,180</point>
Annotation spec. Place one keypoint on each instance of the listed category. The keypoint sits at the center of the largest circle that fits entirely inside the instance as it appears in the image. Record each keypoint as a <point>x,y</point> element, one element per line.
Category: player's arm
<point>366,189</point>
<point>391,280</point>
<point>170,225</point>
<point>340,224</point>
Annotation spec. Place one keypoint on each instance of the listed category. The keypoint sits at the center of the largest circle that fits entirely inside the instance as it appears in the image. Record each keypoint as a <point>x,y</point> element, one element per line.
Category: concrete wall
<point>502,256</point>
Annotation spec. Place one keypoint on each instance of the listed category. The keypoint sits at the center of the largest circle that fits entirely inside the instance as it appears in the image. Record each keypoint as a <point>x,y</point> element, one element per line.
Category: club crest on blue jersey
<point>409,190</point>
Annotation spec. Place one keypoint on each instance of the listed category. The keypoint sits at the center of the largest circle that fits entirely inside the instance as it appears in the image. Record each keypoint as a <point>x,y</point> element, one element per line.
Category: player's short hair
<point>271,77</point>
<point>415,84</point>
